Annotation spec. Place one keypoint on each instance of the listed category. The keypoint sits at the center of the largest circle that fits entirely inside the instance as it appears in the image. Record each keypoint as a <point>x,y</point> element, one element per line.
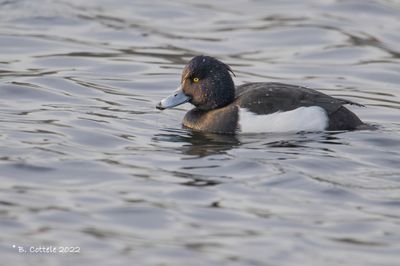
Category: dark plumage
<point>214,90</point>
<point>207,84</point>
<point>271,97</point>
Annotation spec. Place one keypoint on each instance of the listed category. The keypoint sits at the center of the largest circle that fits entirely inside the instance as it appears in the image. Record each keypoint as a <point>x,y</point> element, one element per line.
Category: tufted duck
<point>254,107</point>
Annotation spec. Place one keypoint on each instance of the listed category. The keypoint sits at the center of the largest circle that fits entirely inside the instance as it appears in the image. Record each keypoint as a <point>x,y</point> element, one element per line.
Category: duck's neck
<point>221,120</point>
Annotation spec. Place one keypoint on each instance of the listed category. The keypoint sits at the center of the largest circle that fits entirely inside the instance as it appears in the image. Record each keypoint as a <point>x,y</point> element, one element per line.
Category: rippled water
<point>87,161</point>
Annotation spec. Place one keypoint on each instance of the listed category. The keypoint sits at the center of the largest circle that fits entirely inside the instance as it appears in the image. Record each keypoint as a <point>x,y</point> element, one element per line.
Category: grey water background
<point>87,161</point>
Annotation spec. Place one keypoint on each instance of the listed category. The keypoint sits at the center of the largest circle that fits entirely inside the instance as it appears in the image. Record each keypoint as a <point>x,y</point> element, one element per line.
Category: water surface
<point>87,161</point>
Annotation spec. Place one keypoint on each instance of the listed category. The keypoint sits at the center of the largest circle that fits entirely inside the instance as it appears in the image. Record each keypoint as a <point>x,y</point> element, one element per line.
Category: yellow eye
<point>195,80</point>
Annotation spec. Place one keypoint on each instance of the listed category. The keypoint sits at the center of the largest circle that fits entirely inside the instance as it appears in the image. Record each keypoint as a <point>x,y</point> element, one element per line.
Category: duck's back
<point>270,98</point>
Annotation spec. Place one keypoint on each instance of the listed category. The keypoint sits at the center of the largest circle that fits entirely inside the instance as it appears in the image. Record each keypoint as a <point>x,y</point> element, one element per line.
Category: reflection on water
<point>86,160</point>
<point>197,143</point>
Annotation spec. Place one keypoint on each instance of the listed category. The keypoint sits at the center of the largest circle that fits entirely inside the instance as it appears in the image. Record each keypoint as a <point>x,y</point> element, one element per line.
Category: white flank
<point>312,118</point>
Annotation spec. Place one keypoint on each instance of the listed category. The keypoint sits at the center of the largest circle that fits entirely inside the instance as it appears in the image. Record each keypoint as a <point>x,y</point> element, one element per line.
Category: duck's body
<point>254,107</point>
<point>274,107</point>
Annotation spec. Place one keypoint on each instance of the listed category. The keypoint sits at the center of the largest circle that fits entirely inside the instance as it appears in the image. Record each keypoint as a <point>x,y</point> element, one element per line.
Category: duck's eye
<point>195,80</point>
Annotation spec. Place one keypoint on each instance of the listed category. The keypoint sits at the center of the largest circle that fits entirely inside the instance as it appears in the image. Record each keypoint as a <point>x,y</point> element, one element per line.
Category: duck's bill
<point>177,98</point>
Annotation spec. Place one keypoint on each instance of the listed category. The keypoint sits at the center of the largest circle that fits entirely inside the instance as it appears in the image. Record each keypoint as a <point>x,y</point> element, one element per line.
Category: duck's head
<point>206,83</point>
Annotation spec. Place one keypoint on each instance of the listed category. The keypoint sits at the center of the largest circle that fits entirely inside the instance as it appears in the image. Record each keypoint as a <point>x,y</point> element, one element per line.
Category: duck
<point>257,107</point>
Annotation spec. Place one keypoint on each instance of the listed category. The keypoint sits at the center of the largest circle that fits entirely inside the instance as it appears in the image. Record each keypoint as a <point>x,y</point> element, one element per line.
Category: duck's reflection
<point>211,152</point>
<point>204,144</point>
<point>198,143</point>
